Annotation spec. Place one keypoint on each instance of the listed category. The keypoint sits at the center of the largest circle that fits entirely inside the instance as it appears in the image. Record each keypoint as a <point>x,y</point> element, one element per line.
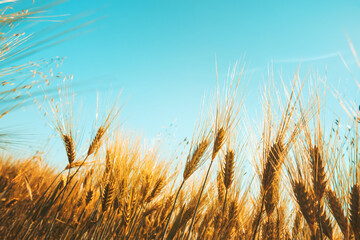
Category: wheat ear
<point>69,147</point>
<point>338,213</point>
<point>306,204</point>
<point>228,173</point>
<point>96,141</point>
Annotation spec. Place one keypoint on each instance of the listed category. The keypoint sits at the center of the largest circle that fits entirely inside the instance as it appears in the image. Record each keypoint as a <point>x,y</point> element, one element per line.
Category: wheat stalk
<point>355,210</point>
<point>192,164</point>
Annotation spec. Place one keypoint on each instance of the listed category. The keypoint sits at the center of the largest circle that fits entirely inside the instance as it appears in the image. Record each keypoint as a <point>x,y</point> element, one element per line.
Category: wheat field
<point>288,177</point>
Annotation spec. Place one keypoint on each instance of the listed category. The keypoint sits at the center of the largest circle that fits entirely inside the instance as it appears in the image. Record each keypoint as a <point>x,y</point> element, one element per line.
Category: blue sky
<point>162,54</point>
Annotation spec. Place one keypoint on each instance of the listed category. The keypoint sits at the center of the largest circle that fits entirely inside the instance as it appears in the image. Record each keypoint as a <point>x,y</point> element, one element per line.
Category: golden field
<point>286,178</point>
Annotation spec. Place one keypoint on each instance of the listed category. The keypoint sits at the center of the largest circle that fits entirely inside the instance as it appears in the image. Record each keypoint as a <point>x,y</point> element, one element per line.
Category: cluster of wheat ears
<point>289,179</point>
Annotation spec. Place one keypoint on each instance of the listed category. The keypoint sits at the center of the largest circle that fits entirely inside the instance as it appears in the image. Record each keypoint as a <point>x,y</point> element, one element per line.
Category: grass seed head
<point>218,142</point>
<point>306,204</point>
<point>318,173</point>
<point>220,188</point>
<point>338,213</point>
<point>159,184</point>
<point>89,196</point>
<point>228,172</point>
<point>96,142</point>
<point>107,196</point>
<point>69,147</point>
<point>193,163</point>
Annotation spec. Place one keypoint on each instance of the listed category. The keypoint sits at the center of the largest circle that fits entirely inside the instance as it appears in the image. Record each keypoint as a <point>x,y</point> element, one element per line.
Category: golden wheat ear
<point>195,159</point>
<point>271,176</point>
<point>96,141</point>
<point>228,173</point>
<point>107,196</point>
<point>69,147</point>
<point>200,142</point>
<point>228,170</point>
<point>225,122</point>
<point>318,173</point>
<point>218,142</point>
<point>159,184</point>
<point>111,117</point>
<point>338,213</point>
<point>220,188</point>
<point>89,196</point>
<point>306,204</point>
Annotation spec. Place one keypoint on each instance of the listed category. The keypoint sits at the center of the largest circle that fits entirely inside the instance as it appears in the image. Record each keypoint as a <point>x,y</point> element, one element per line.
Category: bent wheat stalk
<point>191,165</point>
<point>219,139</point>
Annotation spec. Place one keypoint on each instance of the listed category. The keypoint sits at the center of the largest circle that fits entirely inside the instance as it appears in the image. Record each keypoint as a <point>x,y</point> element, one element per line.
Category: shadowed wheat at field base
<point>285,177</point>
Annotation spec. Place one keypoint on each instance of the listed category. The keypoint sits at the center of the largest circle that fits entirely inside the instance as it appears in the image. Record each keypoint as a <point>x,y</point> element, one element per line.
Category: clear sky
<point>162,54</point>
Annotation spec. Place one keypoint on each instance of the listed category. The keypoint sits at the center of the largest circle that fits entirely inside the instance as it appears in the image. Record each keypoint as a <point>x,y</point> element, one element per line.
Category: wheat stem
<point>172,209</point>
<point>198,202</point>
